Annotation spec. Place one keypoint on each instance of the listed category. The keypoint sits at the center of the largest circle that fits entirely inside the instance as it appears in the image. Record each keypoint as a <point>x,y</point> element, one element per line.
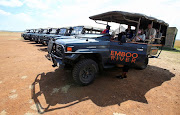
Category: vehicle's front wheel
<point>84,72</point>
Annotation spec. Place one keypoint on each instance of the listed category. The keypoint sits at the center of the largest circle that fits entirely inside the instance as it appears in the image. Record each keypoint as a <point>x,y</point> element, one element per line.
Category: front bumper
<point>57,61</point>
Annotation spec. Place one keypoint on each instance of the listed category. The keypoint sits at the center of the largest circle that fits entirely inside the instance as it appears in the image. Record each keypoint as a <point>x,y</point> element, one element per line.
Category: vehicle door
<point>127,53</point>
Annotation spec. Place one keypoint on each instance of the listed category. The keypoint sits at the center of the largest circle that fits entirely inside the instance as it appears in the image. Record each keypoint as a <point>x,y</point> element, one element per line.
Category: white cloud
<point>58,13</point>
<point>2,12</point>
<point>40,4</point>
<point>15,22</point>
<point>11,3</point>
<point>23,17</point>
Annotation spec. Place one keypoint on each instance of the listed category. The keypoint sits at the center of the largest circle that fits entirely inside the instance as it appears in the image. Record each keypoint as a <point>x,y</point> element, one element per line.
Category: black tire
<point>141,67</point>
<point>84,71</point>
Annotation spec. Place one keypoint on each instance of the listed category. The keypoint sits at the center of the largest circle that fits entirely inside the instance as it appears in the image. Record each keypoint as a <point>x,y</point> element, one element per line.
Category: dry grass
<point>177,44</point>
<point>10,35</point>
<point>4,33</point>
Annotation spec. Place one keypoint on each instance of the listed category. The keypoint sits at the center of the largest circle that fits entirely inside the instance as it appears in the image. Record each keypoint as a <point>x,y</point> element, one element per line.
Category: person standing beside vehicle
<point>125,70</point>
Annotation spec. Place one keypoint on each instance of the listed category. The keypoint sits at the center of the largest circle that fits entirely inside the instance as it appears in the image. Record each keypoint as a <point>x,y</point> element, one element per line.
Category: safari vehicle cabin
<point>140,22</point>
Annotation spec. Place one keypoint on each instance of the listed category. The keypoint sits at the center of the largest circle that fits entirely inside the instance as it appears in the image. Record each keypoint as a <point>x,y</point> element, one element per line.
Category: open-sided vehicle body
<point>92,52</point>
<point>24,34</point>
<point>39,36</point>
<point>27,36</point>
<point>42,36</point>
<point>64,31</point>
<point>75,32</point>
<point>36,33</point>
<point>53,32</point>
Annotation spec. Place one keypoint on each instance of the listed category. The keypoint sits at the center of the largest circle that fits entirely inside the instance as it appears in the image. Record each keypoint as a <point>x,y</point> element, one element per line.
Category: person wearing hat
<point>106,31</point>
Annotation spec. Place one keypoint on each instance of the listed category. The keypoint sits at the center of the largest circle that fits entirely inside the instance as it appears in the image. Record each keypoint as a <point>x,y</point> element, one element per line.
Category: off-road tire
<point>82,68</point>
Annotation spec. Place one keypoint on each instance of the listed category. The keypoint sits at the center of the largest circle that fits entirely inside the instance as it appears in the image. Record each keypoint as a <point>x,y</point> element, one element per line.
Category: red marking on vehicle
<point>124,56</point>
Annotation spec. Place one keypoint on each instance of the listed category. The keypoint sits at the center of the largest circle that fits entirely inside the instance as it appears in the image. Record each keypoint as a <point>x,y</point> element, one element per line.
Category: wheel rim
<point>87,74</point>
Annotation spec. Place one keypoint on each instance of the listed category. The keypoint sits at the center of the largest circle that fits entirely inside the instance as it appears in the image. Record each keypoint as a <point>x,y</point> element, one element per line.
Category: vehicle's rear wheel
<point>144,65</point>
<point>84,72</point>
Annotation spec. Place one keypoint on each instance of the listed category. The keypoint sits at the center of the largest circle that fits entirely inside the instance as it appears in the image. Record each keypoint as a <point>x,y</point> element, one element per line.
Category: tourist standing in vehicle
<point>106,31</point>
<point>158,34</point>
<point>150,32</point>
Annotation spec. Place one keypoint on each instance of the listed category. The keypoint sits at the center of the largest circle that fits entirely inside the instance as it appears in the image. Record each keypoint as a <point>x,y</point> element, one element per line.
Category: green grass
<point>176,47</point>
<point>177,44</point>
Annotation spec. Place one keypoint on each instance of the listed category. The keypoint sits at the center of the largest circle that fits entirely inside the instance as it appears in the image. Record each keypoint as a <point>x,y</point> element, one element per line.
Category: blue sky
<point>18,15</point>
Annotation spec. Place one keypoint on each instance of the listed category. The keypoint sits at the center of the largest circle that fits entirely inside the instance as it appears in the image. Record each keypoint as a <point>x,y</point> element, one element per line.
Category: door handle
<point>140,49</point>
<point>120,43</point>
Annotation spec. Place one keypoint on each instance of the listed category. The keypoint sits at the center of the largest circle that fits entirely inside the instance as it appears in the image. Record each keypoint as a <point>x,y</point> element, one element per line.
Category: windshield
<point>36,31</point>
<point>77,30</point>
<point>45,31</point>
<point>62,31</point>
<point>53,31</point>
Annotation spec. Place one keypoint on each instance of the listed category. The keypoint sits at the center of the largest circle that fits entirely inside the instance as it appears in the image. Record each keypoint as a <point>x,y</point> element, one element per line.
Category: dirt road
<point>29,84</point>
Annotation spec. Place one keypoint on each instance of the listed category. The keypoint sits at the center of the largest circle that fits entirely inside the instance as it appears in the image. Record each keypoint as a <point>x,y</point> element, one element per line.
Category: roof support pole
<point>160,27</point>
<point>137,28</point>
<point>119,27</point>
<point>152,24</point>
<point>99,22</point>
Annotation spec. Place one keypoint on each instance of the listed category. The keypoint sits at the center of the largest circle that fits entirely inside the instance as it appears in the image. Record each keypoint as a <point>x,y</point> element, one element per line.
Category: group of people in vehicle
<point>142,35</point>
<point>130,35</point>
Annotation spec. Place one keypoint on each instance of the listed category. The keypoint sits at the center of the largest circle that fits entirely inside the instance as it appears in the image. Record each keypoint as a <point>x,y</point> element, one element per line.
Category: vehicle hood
<point>75,41</point>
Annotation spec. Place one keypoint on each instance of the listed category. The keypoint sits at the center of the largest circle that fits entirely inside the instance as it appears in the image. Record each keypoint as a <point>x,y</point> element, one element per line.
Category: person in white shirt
<point>141,36</point>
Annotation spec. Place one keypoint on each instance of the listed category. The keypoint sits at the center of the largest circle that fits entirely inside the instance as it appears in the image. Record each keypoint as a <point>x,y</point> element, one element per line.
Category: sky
<point>18,15</point>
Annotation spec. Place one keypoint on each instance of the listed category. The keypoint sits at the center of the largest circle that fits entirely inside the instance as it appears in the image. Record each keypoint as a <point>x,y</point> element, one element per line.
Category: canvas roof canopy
<point>125,18</point>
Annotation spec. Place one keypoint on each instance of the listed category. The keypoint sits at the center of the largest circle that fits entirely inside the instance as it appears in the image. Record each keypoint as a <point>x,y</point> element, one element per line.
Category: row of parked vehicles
<point>87,51</point>
<point>44,35</point>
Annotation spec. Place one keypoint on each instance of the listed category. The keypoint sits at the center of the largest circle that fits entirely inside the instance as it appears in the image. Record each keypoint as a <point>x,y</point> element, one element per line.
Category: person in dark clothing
<point>106,31</point>
<point>124,73</point>
<point>125,67</point>
<point>121,37</point>
<point>129,32</point>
